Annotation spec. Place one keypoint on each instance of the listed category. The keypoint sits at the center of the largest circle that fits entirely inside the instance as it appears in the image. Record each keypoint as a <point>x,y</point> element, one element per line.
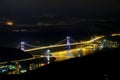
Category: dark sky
<point>104,9</point>
<point>69,7</point>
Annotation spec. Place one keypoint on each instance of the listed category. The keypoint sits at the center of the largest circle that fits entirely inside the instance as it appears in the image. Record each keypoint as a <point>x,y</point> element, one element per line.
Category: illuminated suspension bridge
<point>68,44</point>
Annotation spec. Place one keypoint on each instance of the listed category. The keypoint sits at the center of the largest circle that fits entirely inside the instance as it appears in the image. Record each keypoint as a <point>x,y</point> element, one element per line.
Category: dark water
<point>13,39</point>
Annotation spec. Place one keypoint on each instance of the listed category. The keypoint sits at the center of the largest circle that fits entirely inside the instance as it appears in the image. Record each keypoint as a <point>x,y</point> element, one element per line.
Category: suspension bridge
<point>67,43</point>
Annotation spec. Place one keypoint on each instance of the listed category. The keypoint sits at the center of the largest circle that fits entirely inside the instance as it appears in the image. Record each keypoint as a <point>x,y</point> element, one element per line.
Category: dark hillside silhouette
<point>98,66</point>
<point>10,54</point>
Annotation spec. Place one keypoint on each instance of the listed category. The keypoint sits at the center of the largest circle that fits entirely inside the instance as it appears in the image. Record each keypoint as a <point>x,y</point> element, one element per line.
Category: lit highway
<point>19,60</point>
<point>115,34</point>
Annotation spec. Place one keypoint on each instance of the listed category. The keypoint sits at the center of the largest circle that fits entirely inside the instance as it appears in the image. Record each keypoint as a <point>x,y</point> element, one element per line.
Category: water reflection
<point>63,55</point>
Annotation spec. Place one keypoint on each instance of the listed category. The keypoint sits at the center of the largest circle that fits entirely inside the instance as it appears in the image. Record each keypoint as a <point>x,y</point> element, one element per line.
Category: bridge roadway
<point>77,43</point>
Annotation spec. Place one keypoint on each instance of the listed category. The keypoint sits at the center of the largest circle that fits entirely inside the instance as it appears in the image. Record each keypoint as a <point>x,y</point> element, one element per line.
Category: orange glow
<point>43,64</point>
<point>54,56</point>
<point>115,35</point>
<point>9,23</point>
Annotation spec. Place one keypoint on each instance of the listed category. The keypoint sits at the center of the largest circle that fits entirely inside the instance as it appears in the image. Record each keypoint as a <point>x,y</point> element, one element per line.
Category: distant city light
<point>9,23</point>
<point>115,34</point>
<point>43,64</point>
<point>104,40</point>
<point>23,71</point>
<point>101,47</point>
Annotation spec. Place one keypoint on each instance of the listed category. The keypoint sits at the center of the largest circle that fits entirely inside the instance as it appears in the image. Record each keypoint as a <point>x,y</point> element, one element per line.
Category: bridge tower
<point>68,45</point>
<point>47,54</point>
<point>69,55</point>
<point>22,46</point>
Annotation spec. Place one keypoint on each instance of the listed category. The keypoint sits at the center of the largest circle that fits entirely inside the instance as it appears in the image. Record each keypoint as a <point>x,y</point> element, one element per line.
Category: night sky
<point>101,8</point>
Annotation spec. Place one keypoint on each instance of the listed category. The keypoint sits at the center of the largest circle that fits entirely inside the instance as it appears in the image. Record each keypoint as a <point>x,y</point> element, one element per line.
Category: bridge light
<point>22,42</point>
<point>48,51</point>
<point>22,46</point>
<point>48,56</point>
<point>68,37</point>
